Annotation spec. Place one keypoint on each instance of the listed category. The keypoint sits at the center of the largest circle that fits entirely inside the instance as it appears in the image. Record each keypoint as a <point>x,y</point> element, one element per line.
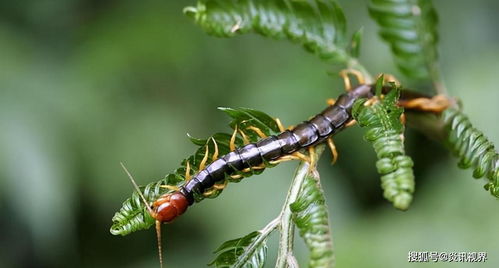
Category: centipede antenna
<point>137,189</point>
<point>158,236</point>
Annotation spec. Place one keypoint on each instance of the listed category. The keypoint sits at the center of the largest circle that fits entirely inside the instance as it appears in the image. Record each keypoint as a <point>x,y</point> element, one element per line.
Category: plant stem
<point>438,83</point>
<point>264,233</point>
<point>286,223</point>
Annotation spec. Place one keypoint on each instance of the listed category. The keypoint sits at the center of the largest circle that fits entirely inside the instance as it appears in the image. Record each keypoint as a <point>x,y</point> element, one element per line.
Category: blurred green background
<point>87,84</point>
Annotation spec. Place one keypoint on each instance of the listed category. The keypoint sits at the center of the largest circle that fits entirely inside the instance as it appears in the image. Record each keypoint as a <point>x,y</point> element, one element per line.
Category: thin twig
<point>287,227</point>
<point>264,233</point>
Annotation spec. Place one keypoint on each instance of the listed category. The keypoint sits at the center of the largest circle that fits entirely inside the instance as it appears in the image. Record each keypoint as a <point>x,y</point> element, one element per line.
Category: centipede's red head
<point>170,206</point>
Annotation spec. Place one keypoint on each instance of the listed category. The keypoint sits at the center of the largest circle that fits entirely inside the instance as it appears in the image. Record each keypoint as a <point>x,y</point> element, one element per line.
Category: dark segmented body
<point>304,135</point>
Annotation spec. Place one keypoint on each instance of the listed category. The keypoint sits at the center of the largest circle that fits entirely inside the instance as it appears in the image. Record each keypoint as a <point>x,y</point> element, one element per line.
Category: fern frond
<point>410,28</point>
<point>473,149</point>
<point>385,133</point>
<point>318,25</point>
<point>311,217</point>
<point>252,249</point>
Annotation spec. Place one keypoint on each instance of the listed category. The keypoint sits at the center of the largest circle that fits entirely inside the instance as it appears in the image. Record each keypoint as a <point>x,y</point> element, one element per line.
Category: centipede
<point>268,150</point>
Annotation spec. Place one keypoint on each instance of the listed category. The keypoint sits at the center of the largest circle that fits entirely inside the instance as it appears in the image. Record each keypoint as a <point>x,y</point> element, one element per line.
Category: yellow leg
<point>205,158</point>
<point>170,187</point>
<point>245,138</point>
<point>301,156</point>
<point>258,131</point>
<point>312,156</point>
<point>232,144</point>
<point>216,187</point>
<point>346,80</point>
<point>279,125</point>
<point>188,171</point>
<point>390,78</point>
<point>436,104</point>
<point>294,156</point>
<point>332,147</point>
<point>238,176</point>
<point>402,118</point>
<point>351,123</point>
<point>221,186</point>
<point>371,101</point>
<point>330,102</point>
<point>215,153</point>
<point>262,166</point>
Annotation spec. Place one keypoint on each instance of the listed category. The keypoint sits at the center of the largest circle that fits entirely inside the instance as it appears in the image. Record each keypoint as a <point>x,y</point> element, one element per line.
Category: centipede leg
<point>351,123</point>
<point>436,104</point>
<point>346,80</point>
<point>216,187</point>
<point>232,143</point>
<point>330,101</point>
<point>205,159</point>
<point>262,166</point>
<point>312,156</point>
<point>279,125</point>
<point>294,156</point>
<point>387,78</point>
<point>170,187</point>
<point>258,131</point>
<point>245,138</point>
<point>187,171</point>
<point>215,153</point>
<point>402,118</point>
<point>334,152</point>
<point>237,176</point>
<point>371,101</point>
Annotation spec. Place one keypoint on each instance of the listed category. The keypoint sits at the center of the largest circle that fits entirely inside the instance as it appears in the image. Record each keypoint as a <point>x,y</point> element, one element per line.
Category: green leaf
<point>247,251</point>
<point>310,215</point>
<point>317,25</point>
<point>473,148</point>
<point>133,215</point>
<point>245,117</point>
<point>385,133</point>
<point>355,43</point>
<point>379,85</point>
<point>410,28</point>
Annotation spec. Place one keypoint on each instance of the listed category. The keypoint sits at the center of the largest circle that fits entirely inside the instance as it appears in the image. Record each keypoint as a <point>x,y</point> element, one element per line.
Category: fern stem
<point>436,78</point>
<point>287,227</point>
<point>264,233</point>
<point>292,262</point>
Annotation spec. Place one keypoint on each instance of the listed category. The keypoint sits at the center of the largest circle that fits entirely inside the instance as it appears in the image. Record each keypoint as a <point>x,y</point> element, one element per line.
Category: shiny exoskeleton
<point>304,135</point>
